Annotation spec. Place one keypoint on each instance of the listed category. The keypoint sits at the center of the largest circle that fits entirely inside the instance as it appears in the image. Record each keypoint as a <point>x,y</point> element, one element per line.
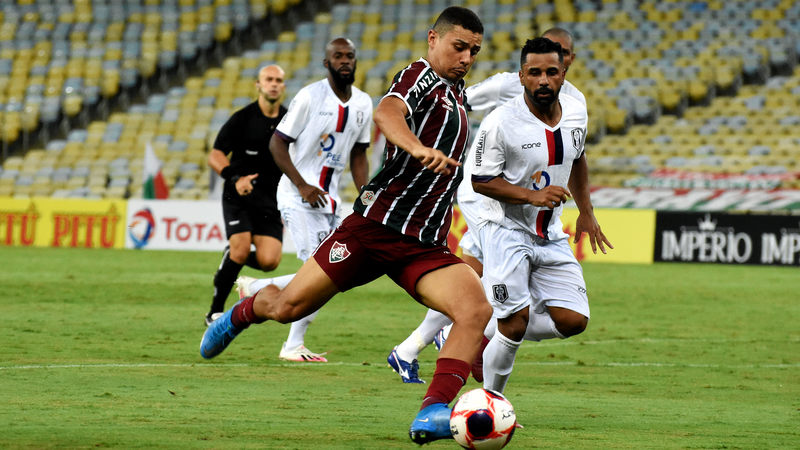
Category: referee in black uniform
<point>249,205</point>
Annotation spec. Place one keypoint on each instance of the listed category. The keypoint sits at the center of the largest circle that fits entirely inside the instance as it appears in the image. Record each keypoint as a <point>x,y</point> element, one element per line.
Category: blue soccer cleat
<point>431,424</point>
<point>408,371</point>
<point>218,335</point>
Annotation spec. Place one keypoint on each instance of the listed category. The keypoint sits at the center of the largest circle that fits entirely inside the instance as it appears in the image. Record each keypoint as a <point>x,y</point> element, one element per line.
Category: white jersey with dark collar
<point>322,131</point>
<point>488,95</point>
<point>514,144</point>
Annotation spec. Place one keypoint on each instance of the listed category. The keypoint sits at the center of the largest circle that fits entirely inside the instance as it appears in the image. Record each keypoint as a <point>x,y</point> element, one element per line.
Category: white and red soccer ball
<point>483,420</point>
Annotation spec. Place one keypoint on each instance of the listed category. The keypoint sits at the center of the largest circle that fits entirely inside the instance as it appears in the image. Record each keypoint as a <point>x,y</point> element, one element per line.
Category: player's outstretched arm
<point>500,189</point>
<point>586,222</point>
<point>280,153</point>
<point>390,117</point>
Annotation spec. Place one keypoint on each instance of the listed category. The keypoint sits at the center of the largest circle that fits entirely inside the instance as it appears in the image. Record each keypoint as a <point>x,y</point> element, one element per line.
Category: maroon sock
<point>449,377</point>
<point>243,315</point>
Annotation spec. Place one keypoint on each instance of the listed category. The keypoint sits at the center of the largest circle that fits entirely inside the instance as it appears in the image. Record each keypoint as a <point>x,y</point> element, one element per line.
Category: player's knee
<point>476,313</point>
<point>269,264</point>
<point>571,325</point>
<point>239,254</point>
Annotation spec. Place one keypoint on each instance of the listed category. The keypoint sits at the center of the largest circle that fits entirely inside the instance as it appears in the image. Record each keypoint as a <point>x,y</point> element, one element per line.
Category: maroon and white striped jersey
<point>404,195</point>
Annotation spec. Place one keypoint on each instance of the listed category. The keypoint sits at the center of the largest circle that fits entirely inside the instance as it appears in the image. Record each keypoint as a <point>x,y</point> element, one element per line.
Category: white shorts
<point>469,241</point>
<point>308,229</point>
<point>518,272</point>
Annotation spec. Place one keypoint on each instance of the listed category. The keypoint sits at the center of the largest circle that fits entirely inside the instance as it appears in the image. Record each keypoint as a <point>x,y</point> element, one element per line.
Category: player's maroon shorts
<point>361,250</point>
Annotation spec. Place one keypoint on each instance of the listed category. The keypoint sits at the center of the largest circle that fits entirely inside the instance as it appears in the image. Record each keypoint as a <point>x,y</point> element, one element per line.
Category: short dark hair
<point>540,46</point>
<point>456,15</point>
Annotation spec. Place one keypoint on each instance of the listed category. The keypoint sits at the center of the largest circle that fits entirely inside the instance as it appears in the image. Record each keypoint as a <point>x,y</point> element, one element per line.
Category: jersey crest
<point>500,293</point>
<point>338,252</point>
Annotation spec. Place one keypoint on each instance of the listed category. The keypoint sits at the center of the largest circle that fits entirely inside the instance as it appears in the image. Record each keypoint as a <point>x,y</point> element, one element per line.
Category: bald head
<point>339,43</point>
<point>271,83</point>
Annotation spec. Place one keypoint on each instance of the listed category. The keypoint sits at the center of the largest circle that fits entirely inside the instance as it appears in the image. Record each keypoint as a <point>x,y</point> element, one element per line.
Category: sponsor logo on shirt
<point>326,142</point>
<point>531,145</point>
<point>479,148</point>
<point>367,198</point>
<point>537,180</point>
<point>325,113</point>
<point>427,80</point>
<point>360,117</point>
<point>338,252</point>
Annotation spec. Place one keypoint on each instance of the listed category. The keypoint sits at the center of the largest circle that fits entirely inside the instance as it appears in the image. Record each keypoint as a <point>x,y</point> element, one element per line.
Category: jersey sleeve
<point>488,156</point>
<point>228,136</point>
<point>366,133</point>
<point>579,132</point>
<point>411,84</point>
<point>493,91</point>
<point>296,117</point>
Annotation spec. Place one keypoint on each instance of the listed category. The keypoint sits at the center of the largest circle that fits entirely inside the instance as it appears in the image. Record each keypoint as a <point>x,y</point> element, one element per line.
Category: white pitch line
<point>518,363</point>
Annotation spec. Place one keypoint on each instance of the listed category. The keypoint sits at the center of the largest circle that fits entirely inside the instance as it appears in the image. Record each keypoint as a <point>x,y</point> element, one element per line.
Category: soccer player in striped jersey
<point>400,222</point>
<point>484,96</point>
<point>326,127</point>
<point>525,156</point>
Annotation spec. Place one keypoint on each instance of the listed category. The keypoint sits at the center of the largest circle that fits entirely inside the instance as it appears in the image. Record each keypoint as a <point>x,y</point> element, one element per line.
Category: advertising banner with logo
<point>58,222</point>
<point>182,225</point>
<point>175,225</point>
<point>727,238</point>
<point>731,200</point>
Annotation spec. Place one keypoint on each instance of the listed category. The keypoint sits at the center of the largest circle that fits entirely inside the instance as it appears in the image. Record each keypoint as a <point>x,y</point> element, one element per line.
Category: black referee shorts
<point>257,218</point>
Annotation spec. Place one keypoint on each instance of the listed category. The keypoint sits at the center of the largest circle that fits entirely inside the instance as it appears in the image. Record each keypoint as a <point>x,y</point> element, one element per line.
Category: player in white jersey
<point>484,96</point>
<point>527,152</point>
<point>326,127</point>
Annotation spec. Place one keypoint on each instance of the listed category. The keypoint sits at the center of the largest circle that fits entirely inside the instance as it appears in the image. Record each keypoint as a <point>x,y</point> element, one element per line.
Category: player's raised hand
<point>587,223</point>
<point>434,160</point>
<point>549,197</point>
<point>313,195</point>
<point>244,185</point>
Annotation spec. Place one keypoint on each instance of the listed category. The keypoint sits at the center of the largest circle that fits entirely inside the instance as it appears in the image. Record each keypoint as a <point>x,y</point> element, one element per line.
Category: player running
<point>400,222</point>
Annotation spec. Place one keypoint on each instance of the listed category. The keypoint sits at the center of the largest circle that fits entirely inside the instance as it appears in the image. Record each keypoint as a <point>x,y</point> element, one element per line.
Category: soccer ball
<point>483,419</point>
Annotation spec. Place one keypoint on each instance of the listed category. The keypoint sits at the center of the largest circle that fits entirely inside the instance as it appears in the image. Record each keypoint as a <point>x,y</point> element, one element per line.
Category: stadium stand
<point>680,93</point>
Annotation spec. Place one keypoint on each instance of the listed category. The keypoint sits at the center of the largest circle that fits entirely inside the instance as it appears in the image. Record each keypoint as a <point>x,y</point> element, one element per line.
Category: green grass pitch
<point>100,349</point>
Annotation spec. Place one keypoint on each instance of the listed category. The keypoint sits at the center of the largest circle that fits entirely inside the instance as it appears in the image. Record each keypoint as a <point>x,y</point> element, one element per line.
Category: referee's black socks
<point>223,282</point>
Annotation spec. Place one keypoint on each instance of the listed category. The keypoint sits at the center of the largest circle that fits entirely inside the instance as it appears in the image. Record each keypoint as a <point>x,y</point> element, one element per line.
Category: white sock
<point>422,337</point>
<point>498,361</point>
<point>280,281</point>
<point>297,332</point>
<point>541,326</point>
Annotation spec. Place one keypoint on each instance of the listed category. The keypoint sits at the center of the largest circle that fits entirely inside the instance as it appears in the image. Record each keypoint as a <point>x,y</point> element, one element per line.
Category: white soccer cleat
<point>211,318</point>
<point>301,354</point>
<point>243,284</point>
